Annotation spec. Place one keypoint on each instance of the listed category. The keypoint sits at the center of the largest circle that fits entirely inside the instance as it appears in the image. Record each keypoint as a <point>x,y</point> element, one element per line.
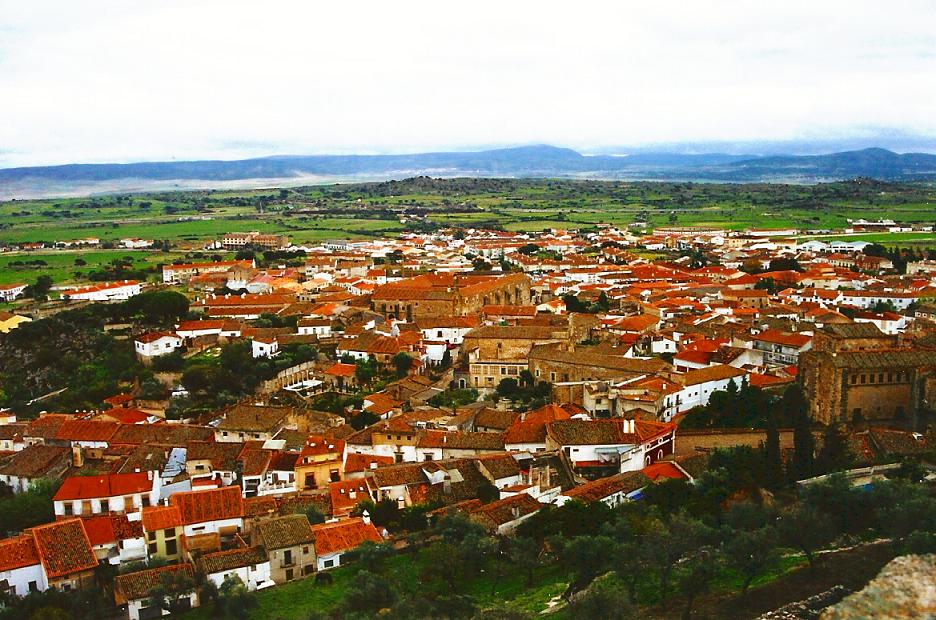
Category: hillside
<point>527,161</point>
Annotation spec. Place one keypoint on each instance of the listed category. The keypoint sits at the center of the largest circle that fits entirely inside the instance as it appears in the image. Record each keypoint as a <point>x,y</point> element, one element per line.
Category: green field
<point>374,210</point>
<point>61,267</point>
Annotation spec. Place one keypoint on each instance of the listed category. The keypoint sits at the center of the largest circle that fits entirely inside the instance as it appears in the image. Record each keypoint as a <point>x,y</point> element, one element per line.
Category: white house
<point>155,344</point>
<point>248,564</point>
<point>112,493</point>
<point>316,327</point>
<point>110,291</point>
<point>264,346</point>
<point>21,566</point>
<point>333,540</point>
<point>9,292</point>
<point>214,510</point>
<point>698,385</point>
<point>133,591</point>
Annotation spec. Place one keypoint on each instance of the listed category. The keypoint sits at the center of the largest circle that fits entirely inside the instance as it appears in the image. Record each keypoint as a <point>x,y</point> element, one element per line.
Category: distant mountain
<point>527,161</point>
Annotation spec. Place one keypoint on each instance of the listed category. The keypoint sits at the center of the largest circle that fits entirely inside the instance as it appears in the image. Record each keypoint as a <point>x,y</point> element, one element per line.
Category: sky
<point>117,81</point>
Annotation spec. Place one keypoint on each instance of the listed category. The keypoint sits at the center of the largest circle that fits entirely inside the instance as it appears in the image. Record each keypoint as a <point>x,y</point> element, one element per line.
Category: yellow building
<point>320,462</point>
<point>162,527</point>
<point>10,321</point>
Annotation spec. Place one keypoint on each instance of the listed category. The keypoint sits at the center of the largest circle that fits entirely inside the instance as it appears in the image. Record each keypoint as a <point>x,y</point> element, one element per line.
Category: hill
<point>527,161</point>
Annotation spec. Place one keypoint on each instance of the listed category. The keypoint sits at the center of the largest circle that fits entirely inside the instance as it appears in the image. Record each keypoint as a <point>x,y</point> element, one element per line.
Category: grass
<point>61,267</point>
<point>295,601</point>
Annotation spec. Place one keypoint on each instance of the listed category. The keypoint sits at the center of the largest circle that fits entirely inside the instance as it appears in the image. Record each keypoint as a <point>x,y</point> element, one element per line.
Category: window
<point>289,574</point>
<point>862,379</point>
<point>305,550</point>
<point>853,379</point>
<point>33,586</point>
<point>328,563</point>
<point>871,378</point>
<point>171,547</point>
<point>169,532</point>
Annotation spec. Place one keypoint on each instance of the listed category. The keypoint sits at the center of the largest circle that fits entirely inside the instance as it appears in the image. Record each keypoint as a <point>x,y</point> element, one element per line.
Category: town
<point>610,418</point>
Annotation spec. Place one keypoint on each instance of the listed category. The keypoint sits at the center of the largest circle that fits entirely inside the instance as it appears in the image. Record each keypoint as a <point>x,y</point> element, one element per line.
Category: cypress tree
<point>804,445</point>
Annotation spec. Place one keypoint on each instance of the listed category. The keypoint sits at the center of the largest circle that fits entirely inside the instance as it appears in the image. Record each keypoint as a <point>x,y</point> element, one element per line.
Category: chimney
<point>149,474</point>
<point>633,425</point>
<point>447,484</point>
<point>77,458</point>
<point>365,517</point>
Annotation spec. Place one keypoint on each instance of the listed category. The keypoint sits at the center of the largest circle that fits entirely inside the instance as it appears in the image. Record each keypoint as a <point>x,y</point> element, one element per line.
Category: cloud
<point>98,81</point>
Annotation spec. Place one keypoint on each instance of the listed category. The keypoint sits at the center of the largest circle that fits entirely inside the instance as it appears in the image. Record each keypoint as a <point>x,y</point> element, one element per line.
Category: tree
<point>402,364</point>
<point>312,513</point>
<point>173,587</point>
<point>368,594</point>
<point>586,557</point>
<point>751,552</point>
<point>40,290</point>
<point>524,553</point>
<point>508,388</point>
<point>365,370</point>
<point>234,601</point>
<point>794,407</point>
<point>699,570</point>
<point>773,459</point>
<point>834,454</point>
<point>682,535</point>
<point>605,599</point>
<point>157,307</point>
<point>32,507</point>
<point>805,528</point>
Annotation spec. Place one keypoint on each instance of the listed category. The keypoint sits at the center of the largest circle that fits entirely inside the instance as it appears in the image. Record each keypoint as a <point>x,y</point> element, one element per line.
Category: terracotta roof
<point>259,506</point>
<point>355,462</point>
<point>111,485</point>
<point>86,430</point>
<point>346,494</point>
<point>343,536</point>
<point>18,552</point>
<point>35,461</point>
<point>175,435</point>
<point>709,373</point>
<point>243,417</point>
<point>154,336</point>
<point>599,489</point>
<point>662,469</point>
<point>136,586</point>
<point>64,548</point>
<point>282,532</point>
<point>155,518</point>
<point>221,561</point>
<point>506,510</point>
<point>776,336</point>
<point>105,529</point>
<point>605,432</point>
<point>531,427</point>
<point>209,505</point>
<point>341,370</point>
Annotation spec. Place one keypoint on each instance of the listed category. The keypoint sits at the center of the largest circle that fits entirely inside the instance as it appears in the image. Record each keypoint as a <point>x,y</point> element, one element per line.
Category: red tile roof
<point>343,536</point>
<point>209,505</point>
<point>18,552</point>
<point>64,548</point>
<point>663,469</point>
<point>112,485</point>
<point>531,427</point>
<point>157,518</point>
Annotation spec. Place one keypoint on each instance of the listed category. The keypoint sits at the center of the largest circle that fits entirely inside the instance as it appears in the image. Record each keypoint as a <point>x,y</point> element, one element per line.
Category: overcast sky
<point>95,81</point>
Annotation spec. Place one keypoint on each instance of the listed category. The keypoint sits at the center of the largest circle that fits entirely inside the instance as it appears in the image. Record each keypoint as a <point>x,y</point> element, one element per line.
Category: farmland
<point>185,221</point>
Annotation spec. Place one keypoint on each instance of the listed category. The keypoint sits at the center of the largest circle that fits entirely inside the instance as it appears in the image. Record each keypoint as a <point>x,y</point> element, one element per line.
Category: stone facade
<point>867,385</point>
<point>438,295</point>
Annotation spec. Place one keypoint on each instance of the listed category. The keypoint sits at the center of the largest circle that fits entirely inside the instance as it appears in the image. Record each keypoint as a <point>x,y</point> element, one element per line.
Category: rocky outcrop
<point>905,588</point>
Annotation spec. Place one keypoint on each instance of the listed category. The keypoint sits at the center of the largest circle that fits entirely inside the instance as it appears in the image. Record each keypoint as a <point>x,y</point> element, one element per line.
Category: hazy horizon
<point>110,81</point>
